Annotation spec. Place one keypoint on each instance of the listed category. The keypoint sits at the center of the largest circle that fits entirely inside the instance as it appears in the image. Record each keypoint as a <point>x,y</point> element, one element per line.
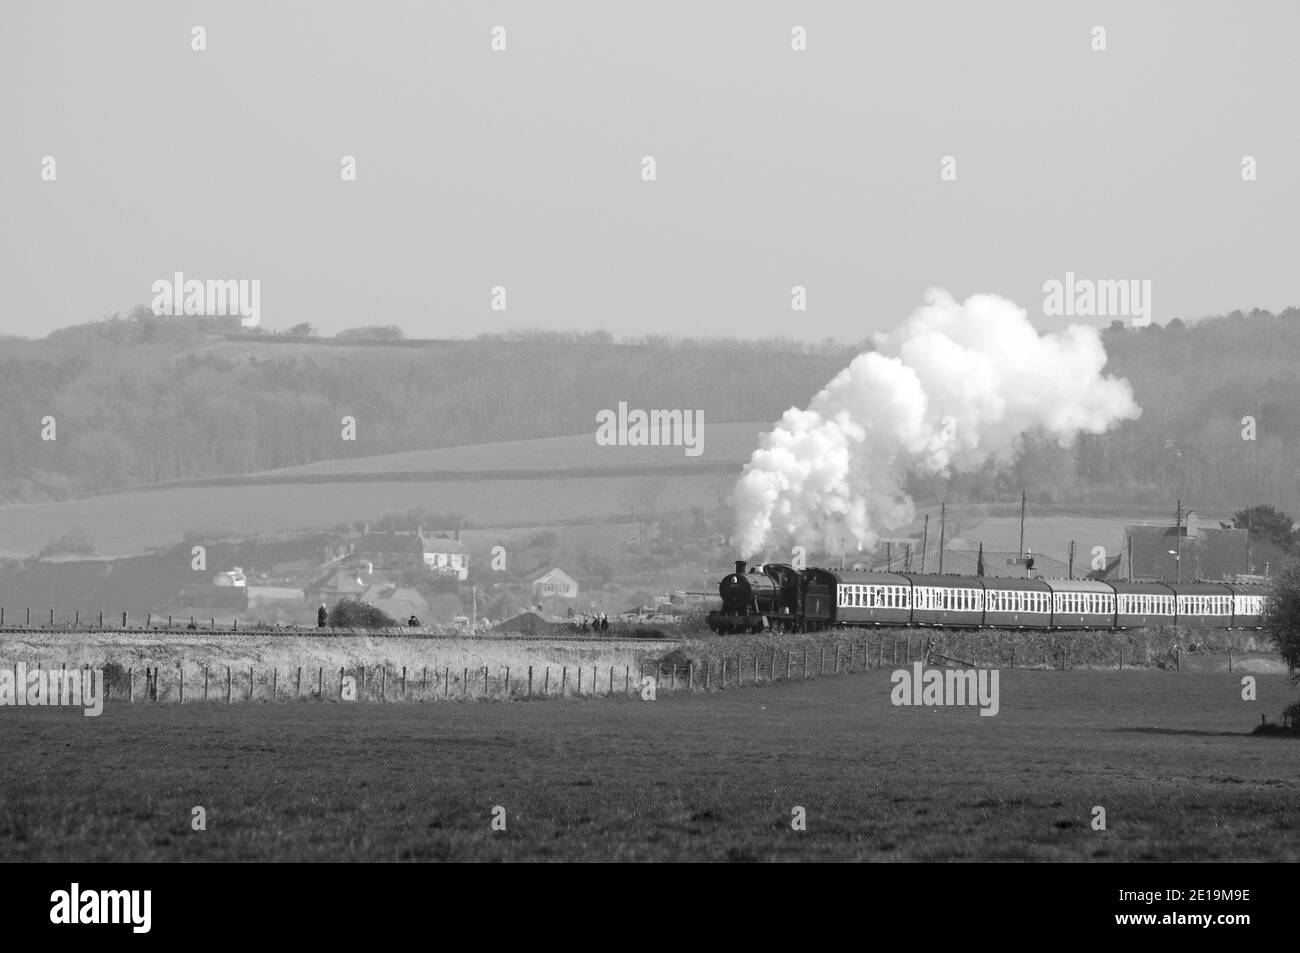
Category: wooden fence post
<point>228,684</point>
<point>507,683</point>
<point>546,682</point>
<point>130,685</point>
<point>772,677</point>
<point>403,683</point>
<point>297,684</point>
<point>708,674</point>
<point>611,680</point>
<point>275,684</point>
<point>182,683</point>
<point>579,681</point>
<point>564,680</point>
<point>250,683</point>
<point>446,680</point>
<point>722,680</point>
<point>530,682</point>
<point>485,678</point>
<point>805,663</point>
<point>424,684</point>
<point>690,676</point>
<point>464,683</point>
<point>788,656</point>
<point>1229,658</point>
<point>627,678</point>
<point>383,683</point>
<point>340,684</point>
<point>755,666</point>
<point>320,682</point>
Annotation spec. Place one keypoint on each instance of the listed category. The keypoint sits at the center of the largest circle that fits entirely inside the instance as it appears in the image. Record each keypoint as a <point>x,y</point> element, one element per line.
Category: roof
<point>553,571</point>
<point>1078,585</point>
<point>443,544</point>
<point>341,582</point>
<point>1001,563</point>
<point>1210,554</point>
<point>387,543</point>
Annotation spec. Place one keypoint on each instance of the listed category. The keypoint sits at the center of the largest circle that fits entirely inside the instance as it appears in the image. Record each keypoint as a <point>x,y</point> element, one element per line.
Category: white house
<point>231,577</point>
<point>446,556</point>
<point>554,584</point>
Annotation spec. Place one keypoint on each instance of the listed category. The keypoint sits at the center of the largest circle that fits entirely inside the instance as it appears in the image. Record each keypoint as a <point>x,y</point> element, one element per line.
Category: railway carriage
<point>1247,605</point>
<point>872,598</point>
<point>947,600</point>
<point>1016,603</point>
<point>1082,604</point>
<point>1143,604</point>
<point>1203,605</point>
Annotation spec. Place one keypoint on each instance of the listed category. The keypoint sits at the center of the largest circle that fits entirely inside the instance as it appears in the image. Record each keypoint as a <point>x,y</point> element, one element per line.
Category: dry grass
<point>689,777</point>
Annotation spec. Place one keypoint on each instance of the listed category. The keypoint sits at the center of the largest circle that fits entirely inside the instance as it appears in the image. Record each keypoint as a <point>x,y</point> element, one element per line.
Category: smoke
<point>951,388</point>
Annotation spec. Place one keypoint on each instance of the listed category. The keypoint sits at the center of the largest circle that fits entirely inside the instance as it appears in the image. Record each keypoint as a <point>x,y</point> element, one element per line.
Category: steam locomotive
<point>779,598</point>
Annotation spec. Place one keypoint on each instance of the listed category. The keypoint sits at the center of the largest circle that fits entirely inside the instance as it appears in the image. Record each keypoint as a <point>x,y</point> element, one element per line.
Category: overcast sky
<point>523,168</point>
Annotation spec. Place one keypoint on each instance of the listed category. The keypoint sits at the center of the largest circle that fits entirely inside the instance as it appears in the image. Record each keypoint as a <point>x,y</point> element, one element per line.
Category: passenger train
<point>780,598</point>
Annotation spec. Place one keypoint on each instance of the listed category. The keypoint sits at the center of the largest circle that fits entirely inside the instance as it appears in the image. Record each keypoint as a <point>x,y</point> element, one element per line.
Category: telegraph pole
<point>1178,535</point>
<point>1022,524</point>
<point>1071,559</point>
<point>925,540</point>
<point>943,515</point>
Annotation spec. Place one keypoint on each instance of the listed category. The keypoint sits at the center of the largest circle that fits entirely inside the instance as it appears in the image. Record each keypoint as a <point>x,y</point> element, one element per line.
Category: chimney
<point>740,567</point>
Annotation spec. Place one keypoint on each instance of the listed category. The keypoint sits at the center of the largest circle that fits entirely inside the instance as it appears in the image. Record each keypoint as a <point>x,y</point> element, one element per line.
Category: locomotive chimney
<point>740,567</point>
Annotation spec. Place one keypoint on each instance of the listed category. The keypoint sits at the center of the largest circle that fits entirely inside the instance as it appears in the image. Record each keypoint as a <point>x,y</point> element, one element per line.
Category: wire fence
<point>188,683</point>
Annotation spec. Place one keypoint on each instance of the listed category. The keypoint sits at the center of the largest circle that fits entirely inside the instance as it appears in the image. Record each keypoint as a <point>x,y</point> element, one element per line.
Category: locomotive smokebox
<point>740,567</point>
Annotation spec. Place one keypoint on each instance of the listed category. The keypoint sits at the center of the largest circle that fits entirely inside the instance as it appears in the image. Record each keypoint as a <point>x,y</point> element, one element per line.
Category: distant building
<point>554,584</point>
<point>1211,554</point>
<point>445,556</point>
<point>400,603</point>
<point>404,552</point>
<point>389,552</point>
<point>345,583</point>
<point>231,577</point>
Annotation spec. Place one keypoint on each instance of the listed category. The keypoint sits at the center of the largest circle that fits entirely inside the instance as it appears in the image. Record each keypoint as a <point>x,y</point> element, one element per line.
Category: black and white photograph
<point>682,432</point>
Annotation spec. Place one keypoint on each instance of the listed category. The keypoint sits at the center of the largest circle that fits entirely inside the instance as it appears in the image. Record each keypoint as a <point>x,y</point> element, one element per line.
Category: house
<point>553,584</point>
<point>445,556</point>
<point>1212,554</point>
<point>389,552</point>
<point>343,583</point>
<point>231,577</point>
<point>399,602</point>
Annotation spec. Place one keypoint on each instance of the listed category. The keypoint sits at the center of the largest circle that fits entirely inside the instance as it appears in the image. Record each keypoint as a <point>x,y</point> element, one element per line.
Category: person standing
<point>321,615</point>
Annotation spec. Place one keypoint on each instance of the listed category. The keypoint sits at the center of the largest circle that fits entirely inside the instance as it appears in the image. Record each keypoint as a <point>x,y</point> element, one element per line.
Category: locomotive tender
<point>781,598</point>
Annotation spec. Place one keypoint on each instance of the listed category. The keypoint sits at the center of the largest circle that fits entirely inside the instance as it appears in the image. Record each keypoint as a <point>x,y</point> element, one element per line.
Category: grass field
<point>1169,756</point>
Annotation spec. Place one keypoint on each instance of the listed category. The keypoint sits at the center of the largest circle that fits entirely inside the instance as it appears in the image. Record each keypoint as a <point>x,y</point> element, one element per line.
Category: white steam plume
<point>954,386</point>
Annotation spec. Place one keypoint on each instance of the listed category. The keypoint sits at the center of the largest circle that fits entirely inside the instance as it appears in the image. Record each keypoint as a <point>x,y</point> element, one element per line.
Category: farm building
<point>1205,552</point>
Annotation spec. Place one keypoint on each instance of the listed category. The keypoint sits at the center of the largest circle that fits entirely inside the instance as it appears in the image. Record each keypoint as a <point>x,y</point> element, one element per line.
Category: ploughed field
<point>685,777</point>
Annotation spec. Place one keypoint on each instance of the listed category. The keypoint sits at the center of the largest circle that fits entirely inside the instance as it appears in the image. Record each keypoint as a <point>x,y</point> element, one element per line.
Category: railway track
<point>550,639</point>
